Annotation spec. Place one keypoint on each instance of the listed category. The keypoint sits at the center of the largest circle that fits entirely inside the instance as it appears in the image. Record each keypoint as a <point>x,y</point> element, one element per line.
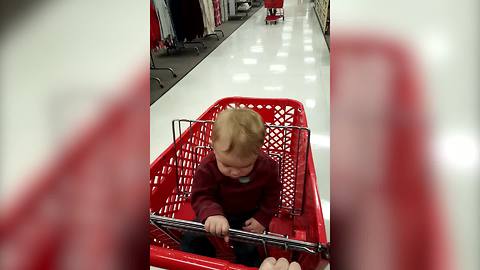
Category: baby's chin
<point>234,177</point>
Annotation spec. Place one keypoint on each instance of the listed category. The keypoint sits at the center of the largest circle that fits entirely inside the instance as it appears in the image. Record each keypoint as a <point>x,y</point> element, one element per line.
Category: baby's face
<point>230,165</point>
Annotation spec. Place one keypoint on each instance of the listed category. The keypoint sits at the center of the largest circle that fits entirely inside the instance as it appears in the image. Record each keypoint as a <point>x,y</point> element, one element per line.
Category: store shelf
<point>322,10</point>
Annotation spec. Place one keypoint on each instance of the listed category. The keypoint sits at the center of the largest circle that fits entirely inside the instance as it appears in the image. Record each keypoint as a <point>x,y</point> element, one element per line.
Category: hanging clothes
<point>208,16</point>
<point>165,20</point>
<point>187,19</point>
<point>155,34</point>
<point>217,12</point>
<point>231,7</point>
<point>224,10</point>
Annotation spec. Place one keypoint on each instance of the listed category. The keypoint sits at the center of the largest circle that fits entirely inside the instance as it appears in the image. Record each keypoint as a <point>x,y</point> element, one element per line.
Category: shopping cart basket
<point>275,11</point>
<point>297,232</point>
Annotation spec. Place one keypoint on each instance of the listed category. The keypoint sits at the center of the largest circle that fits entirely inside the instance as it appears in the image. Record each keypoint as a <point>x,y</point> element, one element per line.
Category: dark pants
<point>245,254</point>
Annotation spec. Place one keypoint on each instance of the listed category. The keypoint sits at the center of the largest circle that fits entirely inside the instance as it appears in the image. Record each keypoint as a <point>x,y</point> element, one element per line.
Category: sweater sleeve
<point>204,190</point>
<point>270,200</point>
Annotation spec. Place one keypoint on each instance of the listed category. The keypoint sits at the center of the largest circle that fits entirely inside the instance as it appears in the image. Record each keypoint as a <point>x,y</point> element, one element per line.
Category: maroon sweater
<point>216,194</point>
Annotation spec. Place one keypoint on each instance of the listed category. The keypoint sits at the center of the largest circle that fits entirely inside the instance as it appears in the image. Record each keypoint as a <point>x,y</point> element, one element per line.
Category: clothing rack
<point>177,34</point>
<point>154,67</point>
<point>157,80</point>
<point>240,14</point>
<point>178,46</point>
<point>196,42</point>
<point>257,3</point>
<point>216,31</point>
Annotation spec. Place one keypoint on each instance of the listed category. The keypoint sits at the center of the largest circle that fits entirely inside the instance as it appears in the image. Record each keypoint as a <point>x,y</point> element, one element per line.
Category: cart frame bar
<point>265,239</point>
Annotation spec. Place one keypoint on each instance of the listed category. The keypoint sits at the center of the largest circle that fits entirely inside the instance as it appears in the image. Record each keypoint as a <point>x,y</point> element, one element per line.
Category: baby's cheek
<point>224,170</point>
<point>221,168</point>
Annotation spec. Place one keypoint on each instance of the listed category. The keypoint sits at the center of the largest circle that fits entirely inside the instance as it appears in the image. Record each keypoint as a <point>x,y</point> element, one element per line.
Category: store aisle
<point>289,60</point>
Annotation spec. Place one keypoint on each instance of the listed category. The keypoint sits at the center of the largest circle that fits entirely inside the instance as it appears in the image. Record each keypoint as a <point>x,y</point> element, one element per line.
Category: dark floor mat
<point>184,61</point>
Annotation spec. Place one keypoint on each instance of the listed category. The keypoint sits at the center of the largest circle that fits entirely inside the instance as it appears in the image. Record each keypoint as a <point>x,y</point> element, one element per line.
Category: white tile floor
<point>288,60</point>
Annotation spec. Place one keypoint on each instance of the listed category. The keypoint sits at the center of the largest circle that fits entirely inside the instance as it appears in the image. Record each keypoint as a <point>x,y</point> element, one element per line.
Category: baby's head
<point>237,137</point>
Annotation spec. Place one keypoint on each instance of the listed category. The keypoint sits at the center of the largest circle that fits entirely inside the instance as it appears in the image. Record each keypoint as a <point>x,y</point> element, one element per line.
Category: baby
<point>236,186</point>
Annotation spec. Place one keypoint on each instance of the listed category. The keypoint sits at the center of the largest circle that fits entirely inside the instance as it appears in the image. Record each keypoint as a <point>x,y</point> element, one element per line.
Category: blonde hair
<point>243,130</point>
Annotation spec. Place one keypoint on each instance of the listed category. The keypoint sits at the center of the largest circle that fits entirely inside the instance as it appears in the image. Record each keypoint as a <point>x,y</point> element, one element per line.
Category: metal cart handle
<point>243,236</point>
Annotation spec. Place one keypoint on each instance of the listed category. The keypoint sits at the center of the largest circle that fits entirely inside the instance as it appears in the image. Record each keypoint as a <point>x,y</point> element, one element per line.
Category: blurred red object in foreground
<point>384,204</point>
<point>89,210</point>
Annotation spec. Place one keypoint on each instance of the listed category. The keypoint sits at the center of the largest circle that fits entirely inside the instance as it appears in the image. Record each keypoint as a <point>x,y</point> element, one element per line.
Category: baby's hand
<point>252,225</point>
<point>218,226</point>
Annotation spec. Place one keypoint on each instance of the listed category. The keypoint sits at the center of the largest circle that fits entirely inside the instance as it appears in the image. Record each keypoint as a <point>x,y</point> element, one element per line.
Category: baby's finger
<point>218,230</point>
<point>247,228</point>
<point>213,229</point>
<point>226,238</point>
<point>207,226</point>
<point>294,266</point>
<point>225,229</point>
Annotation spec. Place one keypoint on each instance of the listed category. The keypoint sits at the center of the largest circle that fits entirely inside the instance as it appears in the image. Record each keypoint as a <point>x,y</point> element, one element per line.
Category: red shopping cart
<point>297,232</point>
<point>275,11</point>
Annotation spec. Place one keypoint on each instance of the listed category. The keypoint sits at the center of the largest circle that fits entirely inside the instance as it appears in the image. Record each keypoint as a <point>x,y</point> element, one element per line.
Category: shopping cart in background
<point>297,232</point>
<point>275,11</point>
